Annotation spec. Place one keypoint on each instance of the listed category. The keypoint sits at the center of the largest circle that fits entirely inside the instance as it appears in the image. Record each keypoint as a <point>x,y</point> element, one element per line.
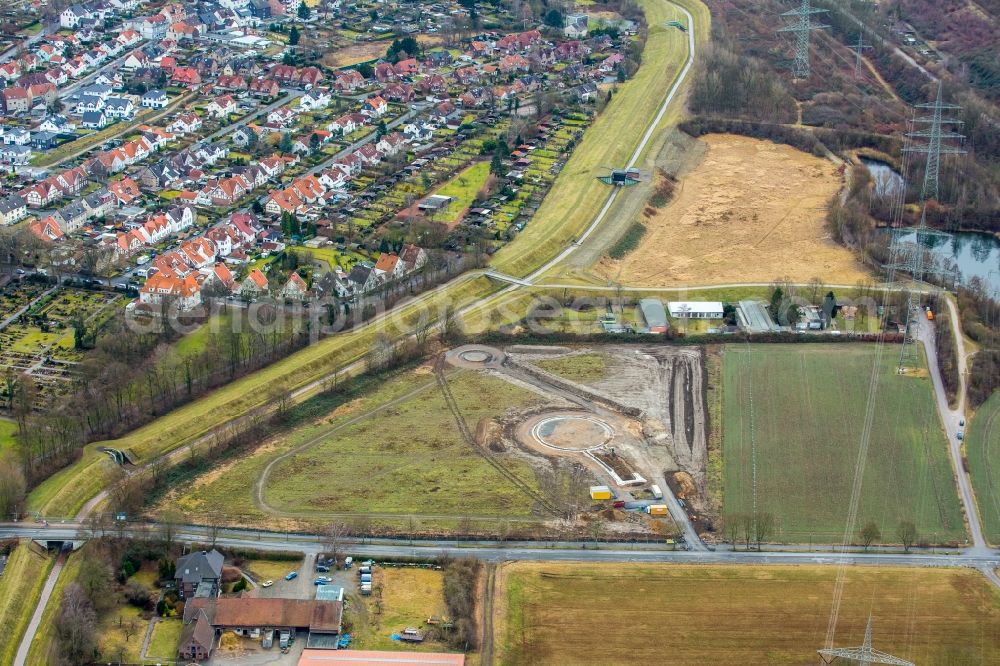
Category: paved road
<point>951,418</point>
<point>36,618</point>
<point>542,552</point>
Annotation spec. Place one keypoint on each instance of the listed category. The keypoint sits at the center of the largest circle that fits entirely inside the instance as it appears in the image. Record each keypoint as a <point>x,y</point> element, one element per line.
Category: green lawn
<point>20,587</point>
<point>165,639</point>
<point>982,447</point>
<point>463,188</point>
<point>808,407</point>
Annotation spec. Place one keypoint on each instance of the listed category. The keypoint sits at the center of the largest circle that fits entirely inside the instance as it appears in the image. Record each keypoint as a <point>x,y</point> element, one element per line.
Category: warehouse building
<point>653,315</point>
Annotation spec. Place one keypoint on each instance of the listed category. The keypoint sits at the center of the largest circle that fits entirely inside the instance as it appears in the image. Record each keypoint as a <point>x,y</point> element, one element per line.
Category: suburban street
<point>952,419</point>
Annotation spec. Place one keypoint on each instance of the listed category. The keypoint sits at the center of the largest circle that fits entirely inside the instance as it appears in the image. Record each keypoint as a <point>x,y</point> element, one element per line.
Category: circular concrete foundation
<point>476,356</point>
<point>572,433</point>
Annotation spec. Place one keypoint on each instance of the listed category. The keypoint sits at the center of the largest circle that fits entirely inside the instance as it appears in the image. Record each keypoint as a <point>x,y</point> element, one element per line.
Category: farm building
<point>754,318</point>
<point>695,309</point>
<point>653,315</point>
<point>379,658</point>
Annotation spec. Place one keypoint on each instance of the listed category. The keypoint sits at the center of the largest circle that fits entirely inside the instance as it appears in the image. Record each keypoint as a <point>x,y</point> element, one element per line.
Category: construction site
<point>638,427</point>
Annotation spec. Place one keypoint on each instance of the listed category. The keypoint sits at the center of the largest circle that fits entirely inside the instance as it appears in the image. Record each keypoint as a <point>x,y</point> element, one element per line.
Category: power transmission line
<point>864,654</point>
<point>935,135</point>
<point>802,29</point>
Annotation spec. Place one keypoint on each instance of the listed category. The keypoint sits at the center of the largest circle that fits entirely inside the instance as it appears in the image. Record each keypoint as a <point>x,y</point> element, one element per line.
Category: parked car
<point>322,580</point>
<point>322,568</point>
<point>291,575</point>
<point>267,583</point>
<point>960,436</point>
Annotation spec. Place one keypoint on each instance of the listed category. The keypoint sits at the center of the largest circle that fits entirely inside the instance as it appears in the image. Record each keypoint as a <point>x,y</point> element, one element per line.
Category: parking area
<point>300,587</point>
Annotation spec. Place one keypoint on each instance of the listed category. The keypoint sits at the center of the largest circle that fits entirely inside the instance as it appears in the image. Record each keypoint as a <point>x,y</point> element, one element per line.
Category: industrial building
<point>754,318</point>
<point>695,309</point>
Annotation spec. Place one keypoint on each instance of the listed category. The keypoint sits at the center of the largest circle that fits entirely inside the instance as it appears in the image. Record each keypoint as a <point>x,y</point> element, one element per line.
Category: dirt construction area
<point>640,421</point>
<point>748,211</point>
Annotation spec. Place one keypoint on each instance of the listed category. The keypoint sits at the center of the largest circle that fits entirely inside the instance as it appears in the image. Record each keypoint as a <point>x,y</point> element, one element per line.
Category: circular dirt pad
<point>572,433</point>
<point>475,357</point>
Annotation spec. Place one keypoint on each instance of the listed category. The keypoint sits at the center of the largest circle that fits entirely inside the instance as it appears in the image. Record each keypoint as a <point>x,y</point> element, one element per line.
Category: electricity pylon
<point>859,49</point>
<point>910,256</point>
<point>864,654</point>
<point>802,28</point>
<point>935,135</point>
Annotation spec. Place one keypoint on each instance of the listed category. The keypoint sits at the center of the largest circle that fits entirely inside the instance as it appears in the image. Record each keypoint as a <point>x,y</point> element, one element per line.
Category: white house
<point>71,16</point>
<point>154,99</point>
<point>695,309</point>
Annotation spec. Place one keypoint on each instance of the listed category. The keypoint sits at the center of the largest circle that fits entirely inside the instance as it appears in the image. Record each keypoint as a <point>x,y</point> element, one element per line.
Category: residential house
<point>126,191</point>
<point>295,288</point>
<point>413,257</point>
<point>221,107</point>
<point>71,17</point>
<point>13,209</point>
<point>154,99</point>
<point>95,120</point>
<point>197,640</point>
<point>15,100</point>
<point>375,107</point>
<point>47,229</point>
<point>198,570</point>
<point>119,107</point>
<point>185,123</point>
<point>254,286</point>
<point>575,25</point>
<point>389,266</point>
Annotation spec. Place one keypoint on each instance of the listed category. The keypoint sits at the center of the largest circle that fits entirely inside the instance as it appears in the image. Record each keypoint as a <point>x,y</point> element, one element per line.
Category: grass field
<point>576,196</point>
<point>270,569</point>
<point>165,639</point>
<point>982,445</point>
<point>393,450</point>
<point>409,598</point>
<point>682,614</point>
<point>583,368</point>
<point>409,459</point>
<point>463,188</point>
<point>20,587</point>
<point>808,405</point>
<point>8,431</point>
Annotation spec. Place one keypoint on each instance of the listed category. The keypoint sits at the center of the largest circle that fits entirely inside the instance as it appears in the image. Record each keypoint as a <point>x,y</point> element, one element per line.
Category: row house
<point>13,209</point>
<point>289,75</point>
<point>225,191</point>
<point>231,83</point>
<point>265,88</point>
<point>162,288</point>
<point>520,41</point>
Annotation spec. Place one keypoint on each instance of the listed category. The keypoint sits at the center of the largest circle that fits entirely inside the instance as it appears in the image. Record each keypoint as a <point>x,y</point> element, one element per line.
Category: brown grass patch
<point>364,51</point>
<point>751,211</point>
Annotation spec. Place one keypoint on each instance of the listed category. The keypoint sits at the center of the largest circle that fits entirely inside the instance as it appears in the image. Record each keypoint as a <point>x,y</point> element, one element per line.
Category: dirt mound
<point>684,485</point>
<point>488,434</point>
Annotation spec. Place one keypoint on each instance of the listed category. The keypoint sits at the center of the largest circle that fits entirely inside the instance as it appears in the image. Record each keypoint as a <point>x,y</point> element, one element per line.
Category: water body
<point>975,255</point>
<point>887,181</point>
